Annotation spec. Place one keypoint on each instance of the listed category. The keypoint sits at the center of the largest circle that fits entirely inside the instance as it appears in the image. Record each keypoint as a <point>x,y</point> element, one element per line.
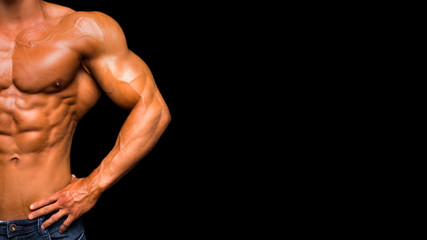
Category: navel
<point>14,159</point>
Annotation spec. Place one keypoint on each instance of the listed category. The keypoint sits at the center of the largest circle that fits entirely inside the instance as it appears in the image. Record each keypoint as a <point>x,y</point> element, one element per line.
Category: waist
<point>28,181</point>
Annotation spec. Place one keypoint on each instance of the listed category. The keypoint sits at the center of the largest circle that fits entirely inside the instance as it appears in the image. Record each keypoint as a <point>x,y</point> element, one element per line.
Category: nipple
<point>58,83</point>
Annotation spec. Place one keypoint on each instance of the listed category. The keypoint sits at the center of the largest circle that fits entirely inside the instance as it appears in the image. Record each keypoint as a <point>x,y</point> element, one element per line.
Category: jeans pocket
<point>74,232</point>
<point>67,236</point>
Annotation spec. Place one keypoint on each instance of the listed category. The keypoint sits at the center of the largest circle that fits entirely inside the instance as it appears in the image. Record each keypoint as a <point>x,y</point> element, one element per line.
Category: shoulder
<point>102,20</point>
<point>94,33</point>
<point>56,11</point>
<point>95,24</point>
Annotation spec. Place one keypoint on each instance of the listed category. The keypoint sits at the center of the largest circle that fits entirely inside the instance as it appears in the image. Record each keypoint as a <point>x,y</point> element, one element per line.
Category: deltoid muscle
<point>86,27</point>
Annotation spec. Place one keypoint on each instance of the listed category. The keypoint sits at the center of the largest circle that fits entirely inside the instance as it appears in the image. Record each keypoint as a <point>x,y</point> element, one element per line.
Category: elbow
<point>165,117</point>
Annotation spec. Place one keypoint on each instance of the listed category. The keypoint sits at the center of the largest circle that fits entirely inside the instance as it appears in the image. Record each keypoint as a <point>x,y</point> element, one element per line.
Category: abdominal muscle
<point>35,144</point>
<point>29,178</point>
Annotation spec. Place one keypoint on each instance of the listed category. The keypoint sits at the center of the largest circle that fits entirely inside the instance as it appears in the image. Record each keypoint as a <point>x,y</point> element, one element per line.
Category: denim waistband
<point>21,226</point>
<point>31,229</point>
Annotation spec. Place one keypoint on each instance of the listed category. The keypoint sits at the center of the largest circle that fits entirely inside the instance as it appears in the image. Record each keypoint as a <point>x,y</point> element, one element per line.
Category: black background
<point>164,195</point>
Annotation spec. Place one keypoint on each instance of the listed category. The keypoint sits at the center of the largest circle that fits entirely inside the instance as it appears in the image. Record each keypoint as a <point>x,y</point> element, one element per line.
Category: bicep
<point>122,75</point>
<point>125,78</point>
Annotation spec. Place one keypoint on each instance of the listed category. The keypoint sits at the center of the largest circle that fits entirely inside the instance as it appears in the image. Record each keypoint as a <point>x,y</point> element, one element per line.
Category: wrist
<point>97,186</point>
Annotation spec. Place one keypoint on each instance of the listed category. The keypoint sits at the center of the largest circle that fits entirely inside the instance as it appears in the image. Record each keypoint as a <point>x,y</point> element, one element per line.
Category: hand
<point>72,201</point>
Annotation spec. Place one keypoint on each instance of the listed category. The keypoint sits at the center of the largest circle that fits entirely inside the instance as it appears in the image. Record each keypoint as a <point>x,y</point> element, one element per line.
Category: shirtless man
<point>54,62</point>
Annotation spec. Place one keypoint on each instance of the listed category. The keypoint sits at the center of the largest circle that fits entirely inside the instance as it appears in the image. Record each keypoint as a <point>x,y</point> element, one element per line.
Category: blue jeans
<point>26,229</point>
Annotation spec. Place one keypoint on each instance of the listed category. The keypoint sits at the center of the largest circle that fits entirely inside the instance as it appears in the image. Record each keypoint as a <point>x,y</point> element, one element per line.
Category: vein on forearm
<point>138,135</point>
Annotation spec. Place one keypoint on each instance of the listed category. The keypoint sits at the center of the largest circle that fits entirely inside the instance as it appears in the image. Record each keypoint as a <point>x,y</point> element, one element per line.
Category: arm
<point>127,80</point>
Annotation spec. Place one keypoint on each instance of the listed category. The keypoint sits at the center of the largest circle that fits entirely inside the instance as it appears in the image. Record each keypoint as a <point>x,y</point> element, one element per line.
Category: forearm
<point>138,135</point>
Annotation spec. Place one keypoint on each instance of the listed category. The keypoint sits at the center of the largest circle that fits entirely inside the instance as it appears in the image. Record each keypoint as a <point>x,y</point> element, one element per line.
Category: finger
<point>66,224</point>
<point>43,202</point>
<point>73,178</point>
<point>43,211</point>
<point>54,218</point>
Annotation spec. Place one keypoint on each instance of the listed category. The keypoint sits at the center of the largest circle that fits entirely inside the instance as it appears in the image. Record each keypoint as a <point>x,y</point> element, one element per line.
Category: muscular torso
<point>44,91</point>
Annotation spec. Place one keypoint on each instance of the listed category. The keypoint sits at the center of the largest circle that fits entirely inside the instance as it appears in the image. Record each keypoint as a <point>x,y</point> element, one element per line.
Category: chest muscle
<point>37,63</point>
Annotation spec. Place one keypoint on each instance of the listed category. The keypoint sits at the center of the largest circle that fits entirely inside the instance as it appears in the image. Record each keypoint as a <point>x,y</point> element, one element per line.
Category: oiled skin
<point>50,70</point>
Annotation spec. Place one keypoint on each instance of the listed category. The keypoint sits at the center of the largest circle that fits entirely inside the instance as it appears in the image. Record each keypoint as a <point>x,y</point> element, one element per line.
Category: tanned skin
<point>54,63</point>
